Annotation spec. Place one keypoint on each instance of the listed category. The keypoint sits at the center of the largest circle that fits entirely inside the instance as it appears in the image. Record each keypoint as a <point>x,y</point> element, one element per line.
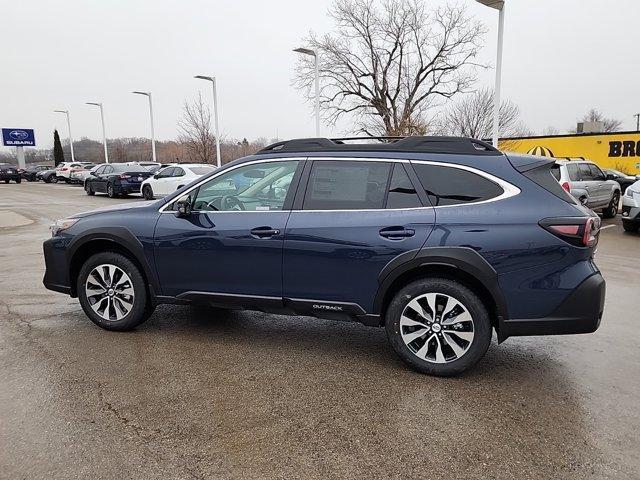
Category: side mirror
<point>183,206</point>
<point>93,174</point>
<point>611,176</point>
<point>155,175</point>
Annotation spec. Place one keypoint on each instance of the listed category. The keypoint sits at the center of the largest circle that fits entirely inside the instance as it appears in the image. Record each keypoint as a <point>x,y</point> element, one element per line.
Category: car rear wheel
<point>6,181</point>
<point>438,326</point>
<point>112,292</point>
<point>147,192</point>
<point>53,179</point>
<point>18,180</point>
<point>612,210</point>
<point>111,193</point>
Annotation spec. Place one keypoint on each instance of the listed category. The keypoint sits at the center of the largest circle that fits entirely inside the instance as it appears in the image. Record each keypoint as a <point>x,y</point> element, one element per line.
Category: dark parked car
<point>440,240</point>
<point>9,173</point>
<point>622,178</point>
<point>30,173</point>
<point>116,179</point>
<point>47,176</point>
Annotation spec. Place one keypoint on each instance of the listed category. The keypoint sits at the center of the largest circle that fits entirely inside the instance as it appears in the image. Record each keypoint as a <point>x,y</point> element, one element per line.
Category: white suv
<point>631,208</point>
<point>63,170</point>
<point>590,185</point>
<point>167,180</point>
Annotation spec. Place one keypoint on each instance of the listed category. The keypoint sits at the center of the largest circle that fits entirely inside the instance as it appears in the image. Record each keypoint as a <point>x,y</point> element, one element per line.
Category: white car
<point>63,170</point>
<point>631,208</point>
<point>169,179</point>
<point>79,174</point>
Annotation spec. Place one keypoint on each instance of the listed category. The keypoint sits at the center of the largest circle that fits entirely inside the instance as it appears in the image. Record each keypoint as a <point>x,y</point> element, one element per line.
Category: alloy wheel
<point>109,291</point>
<point>437,328</point>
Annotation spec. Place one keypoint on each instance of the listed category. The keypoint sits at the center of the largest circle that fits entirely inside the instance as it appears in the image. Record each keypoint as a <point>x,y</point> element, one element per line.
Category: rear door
<point>601,188</point>
<point>588,183</point>
<point>350,219</point>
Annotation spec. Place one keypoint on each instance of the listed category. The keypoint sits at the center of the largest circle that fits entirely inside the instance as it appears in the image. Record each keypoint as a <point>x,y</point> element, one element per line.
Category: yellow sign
<point>620,151</point>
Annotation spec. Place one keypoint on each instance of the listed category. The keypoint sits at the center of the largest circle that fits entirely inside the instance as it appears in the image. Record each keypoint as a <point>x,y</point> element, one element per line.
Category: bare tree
<point>389,62</point>
<point>194,129</point>
<point>551,130</point>
<point>610,124</point>
<point>472,116</point>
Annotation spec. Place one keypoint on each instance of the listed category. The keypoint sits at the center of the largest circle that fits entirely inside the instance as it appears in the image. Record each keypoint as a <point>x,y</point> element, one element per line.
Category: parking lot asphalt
<point>211,394</point>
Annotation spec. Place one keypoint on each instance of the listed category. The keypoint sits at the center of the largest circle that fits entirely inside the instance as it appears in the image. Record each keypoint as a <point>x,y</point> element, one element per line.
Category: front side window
<point>178,172</point>
<point>346,185</point>
<point>107,169</point>
<point>255,187</point>
<point>165,172</point>
<point>454,186</point>
<point>596,172</point>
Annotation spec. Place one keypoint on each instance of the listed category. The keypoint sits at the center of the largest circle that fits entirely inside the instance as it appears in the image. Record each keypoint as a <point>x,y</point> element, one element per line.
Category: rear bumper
<point>129,188</point>
<point>580,312</point>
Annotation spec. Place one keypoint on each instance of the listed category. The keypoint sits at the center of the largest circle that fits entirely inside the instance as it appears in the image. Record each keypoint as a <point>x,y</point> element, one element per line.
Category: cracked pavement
<point>196,393</point>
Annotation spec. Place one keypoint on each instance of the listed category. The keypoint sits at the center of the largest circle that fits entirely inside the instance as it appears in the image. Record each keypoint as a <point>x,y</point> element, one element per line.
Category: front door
<point>355,218</point>
<point>231,244</point>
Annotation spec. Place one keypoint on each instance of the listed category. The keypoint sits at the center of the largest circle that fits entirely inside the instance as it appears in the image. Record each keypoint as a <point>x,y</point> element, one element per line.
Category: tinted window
<point>585,172</point>
<point>572,170</point>
<point>178,172</point>
<point>343,185</point>
<point>259,187</point>
<point>165,172</point>
<point>453,186</point>
<point>555,171</point>
<point>108,169</point>
<point>100,170</point>
<point>401,191</point>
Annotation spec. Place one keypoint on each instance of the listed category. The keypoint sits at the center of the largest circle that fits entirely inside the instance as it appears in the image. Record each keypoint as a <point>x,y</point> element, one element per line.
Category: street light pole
<point>313,53</point>
<point>500,6</point>
<point>153,138</point>
<point>66,112</point>
<point>104,134</point>
<point>637,115</point>
<point>215,114</point>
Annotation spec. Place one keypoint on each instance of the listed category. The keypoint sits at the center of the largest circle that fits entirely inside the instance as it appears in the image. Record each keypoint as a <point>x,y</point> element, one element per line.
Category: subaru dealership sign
<point>18,137</point>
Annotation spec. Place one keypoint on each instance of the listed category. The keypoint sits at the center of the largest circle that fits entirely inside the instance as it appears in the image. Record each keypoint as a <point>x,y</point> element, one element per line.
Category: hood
<point>117,208</point>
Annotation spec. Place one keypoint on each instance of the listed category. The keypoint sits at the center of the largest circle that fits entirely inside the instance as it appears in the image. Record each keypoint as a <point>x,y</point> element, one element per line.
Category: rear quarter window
<point>454,186</point>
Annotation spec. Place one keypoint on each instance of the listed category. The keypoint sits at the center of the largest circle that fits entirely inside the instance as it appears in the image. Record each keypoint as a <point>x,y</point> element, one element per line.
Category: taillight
<point>124,176</point>
<point>63,169</point>
<point>567,187</point>
<point>578,231</point>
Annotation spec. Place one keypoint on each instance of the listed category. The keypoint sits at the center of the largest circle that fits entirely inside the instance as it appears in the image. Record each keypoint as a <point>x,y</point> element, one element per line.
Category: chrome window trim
<point>508,190</point>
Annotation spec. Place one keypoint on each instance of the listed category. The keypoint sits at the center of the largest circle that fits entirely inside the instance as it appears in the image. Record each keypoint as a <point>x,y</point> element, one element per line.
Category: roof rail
<point>457,145</point>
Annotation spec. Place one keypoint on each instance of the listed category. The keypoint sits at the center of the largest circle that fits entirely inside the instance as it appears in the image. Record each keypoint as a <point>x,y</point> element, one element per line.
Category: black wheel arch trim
<point>125,239</point>
<point>464,259</point>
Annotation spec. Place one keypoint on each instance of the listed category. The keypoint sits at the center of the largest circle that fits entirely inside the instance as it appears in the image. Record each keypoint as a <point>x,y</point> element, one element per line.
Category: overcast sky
<point>561,57</point>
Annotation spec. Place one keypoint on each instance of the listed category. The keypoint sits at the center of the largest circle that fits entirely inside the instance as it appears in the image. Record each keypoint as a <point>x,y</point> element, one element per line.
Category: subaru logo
<point>18,134</point>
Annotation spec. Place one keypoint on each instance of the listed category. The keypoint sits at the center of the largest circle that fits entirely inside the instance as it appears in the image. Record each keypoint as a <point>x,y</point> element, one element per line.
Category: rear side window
<point>344,185</point>
<point>454,186</point>
<point>402,194</point>
<point>572,170</point>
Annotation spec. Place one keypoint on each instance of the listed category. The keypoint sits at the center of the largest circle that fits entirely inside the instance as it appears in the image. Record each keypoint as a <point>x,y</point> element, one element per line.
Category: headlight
<point>60,225</point>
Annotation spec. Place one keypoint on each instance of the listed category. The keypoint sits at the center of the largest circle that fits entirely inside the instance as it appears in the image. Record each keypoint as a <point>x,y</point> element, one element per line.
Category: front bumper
<point>580,312</point>
<point>56,275</point>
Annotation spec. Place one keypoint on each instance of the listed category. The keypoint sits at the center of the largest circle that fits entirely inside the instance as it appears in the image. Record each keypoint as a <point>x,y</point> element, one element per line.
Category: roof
<point>450,145</point>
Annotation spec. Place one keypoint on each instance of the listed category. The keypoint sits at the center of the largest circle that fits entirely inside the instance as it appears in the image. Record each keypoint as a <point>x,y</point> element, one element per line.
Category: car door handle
<point>397,233</point>
<point>264,232</point>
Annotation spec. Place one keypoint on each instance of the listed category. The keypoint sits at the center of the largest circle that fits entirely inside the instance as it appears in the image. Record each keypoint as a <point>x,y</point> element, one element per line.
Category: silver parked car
<point>590,185</point>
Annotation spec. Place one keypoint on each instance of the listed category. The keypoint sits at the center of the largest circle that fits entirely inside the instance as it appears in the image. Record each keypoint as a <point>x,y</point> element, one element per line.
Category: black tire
<point>141,309</point>
<point>6,181</point>
<point>475,349</point>
<point>18,180</point>
<point>89,189</point>
<point>631,227</point>
<point>147,192</point>
<point>53,179</point>
<point>111,191</point>
<point>612,210</point>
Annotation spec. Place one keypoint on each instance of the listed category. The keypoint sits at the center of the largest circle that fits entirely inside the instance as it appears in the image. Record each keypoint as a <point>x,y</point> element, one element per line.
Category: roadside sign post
<point>19,138</point>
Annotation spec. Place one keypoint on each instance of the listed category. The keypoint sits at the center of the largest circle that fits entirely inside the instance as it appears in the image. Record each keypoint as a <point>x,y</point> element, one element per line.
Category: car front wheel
<point>438,326</point>
<point>112,292</point>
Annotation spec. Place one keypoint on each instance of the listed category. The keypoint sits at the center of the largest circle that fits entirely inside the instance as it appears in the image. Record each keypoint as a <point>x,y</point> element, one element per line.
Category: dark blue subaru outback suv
<point>440,240</point>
